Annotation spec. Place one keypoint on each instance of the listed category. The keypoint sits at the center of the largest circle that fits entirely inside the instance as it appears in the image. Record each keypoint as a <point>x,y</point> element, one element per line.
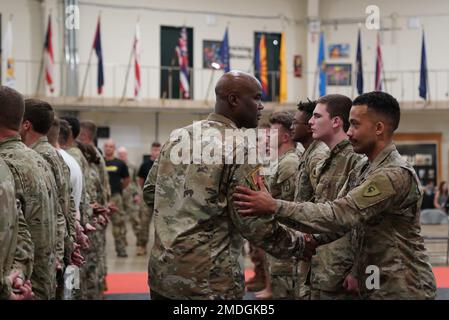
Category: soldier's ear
<point>233,99</point>
<point>380,128</point>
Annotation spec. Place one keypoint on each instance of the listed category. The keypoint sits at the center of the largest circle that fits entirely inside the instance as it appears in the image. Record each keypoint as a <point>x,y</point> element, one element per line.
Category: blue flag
<point>98,51</point>
<point>322,66</point>
<point>358,63</point>
<point>224,52</point>
<point>423,73</point>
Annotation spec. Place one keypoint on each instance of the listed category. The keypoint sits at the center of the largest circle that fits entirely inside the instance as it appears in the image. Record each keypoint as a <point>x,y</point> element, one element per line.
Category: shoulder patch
<point>372,191</point>
<point>251,178</point>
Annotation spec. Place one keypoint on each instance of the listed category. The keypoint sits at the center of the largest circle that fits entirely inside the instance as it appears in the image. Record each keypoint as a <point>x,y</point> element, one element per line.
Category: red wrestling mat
<point>136,282</point>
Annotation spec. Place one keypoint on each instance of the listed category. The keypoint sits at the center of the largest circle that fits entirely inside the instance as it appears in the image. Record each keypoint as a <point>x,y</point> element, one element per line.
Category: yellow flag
<point>283,72</point>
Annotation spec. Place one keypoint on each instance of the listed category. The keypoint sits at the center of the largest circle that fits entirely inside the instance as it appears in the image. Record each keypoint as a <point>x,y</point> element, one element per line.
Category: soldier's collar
<point>340,146</point>
<point>220,118</point>
<point>312,147</point>
<point>383,155</point>
<point>40,140</point>
<point>13,138</point>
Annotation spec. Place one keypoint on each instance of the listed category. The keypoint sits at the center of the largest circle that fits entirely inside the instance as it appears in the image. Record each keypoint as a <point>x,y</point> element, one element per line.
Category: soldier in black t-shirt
<point>119,180</point>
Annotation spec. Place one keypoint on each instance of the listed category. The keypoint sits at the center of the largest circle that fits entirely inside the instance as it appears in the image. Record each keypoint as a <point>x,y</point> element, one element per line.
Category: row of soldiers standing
<point>55,202</point>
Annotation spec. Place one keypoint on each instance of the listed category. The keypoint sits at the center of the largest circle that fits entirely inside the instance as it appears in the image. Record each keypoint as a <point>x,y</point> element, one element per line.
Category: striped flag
<point>261,65</point>
<point>283,72</point>
<point>423,77</point>
<point>136,53</point>
<point>224,52</point>
<point>378,75</point>
<point>321,66</point>
<point>49,58</point>
<point>359,65</point>
<point>7,54</point>
<point>98,51</point>
<point>183,60</point>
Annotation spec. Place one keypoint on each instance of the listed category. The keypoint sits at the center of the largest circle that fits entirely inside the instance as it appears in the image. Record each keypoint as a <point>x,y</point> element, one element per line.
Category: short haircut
<point>156,145</point>
<point>383,104</point>
<point>284,118</point>
<point>40,114</point>
<point>64,131</point>
<point>74,125</point>
<point>53,133</point>
<point>337,105</point>
<point>12,107</point>
<point>307,107</point>
<point>91,127</point>
<point>264,126</point>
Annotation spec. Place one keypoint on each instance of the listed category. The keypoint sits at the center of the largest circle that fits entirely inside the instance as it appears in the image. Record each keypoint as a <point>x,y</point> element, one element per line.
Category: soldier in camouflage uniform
<point>37,121</point>
<point>197,252</point>
<point>132,194</point>
<point>14,235</point>
<point>282,185</point>
<point>381,198</point>
<point>87,136</point>
<point>32,179</point>
<point>314,153</point>
<point>333,262</point>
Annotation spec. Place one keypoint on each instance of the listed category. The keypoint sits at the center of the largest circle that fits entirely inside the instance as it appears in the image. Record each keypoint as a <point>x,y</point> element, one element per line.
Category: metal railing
<point>402,84</point>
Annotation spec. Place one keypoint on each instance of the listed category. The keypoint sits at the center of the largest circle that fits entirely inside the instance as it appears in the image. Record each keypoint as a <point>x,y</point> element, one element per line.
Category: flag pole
<point>129,67</point>
<point>384,80</point>
<point>41,67</point>
<point>88,64</point>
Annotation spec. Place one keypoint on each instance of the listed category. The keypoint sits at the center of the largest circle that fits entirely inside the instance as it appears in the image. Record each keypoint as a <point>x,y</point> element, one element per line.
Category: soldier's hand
<point>251,202</point>
<point>77,259</point>
<point>89,228</point>
<point>20,290</point>
<point>112,208</point>
<point>310,245</point>
<point>102,220</point>
<point>351,283</point>
<point>137,199</point>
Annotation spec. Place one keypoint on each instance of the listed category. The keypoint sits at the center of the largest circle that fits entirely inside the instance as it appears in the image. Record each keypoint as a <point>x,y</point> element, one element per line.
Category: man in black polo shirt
<point>119,180</point>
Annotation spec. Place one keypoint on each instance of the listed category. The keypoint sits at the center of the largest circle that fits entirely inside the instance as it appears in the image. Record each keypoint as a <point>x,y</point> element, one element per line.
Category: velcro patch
<point>372,191</point>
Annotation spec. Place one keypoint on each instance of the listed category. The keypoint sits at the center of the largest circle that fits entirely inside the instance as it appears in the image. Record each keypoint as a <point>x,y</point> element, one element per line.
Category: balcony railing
<point>401,84</point>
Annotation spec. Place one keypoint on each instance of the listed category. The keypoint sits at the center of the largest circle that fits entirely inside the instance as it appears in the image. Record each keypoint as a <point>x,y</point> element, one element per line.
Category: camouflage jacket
<point>85,209</point>
<point>65,219</point>
<point>32,177</point>
<point>13,230</point>
<point>333,261</point>
<point>383,200</point>
<point>282,185</point>
<point>105,193</point>
<point>197,252</point>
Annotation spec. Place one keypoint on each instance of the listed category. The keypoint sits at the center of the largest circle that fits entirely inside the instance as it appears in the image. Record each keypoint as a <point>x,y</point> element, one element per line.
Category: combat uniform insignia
<point>251,178</point>
<point>371,191</point>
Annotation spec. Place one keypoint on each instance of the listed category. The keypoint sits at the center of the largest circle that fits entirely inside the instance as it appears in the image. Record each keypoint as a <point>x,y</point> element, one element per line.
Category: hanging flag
<point>423,79</point>
<point>261,65</point>
<point>7,54</point>
<point>224,53</point>
<point>183,60</point>
<point>97,48</point>
<point>283,71</point>
<point>359,65</point>
<point>136,53</point>
<point>49,59</point>
<point>379,64</point>
<point>322,66</point>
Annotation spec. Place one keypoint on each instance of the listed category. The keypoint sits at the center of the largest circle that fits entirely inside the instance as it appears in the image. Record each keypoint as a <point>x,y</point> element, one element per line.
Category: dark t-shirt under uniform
<point>117,170</point>
<point>145,169</point>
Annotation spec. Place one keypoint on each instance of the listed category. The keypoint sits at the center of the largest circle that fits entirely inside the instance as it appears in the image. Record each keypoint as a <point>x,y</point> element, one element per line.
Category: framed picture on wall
<point>338,74</point>
<point>211,53</point>
<point>339,50</point>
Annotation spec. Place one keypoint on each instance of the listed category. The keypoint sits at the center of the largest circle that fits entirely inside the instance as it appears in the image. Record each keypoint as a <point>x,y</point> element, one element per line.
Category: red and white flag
<point>183,60</point>
<point>49,59</point>
<point>379,65</point>
<point>136,53</point>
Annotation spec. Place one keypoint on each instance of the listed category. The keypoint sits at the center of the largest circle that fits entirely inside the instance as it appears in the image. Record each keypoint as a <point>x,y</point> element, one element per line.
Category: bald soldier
<point>197,252</point>
<point>31,179</point>
<point>381,198</point>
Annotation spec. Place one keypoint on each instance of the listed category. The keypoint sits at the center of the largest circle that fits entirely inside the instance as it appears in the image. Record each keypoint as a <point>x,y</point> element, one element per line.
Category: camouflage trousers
<point>43,278</point>
<point>118,219</point>
<point>283,278</point>
<point>317,294</point>
<point>145,220</point>
<point>303,283</point>
<point>132,210</point>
